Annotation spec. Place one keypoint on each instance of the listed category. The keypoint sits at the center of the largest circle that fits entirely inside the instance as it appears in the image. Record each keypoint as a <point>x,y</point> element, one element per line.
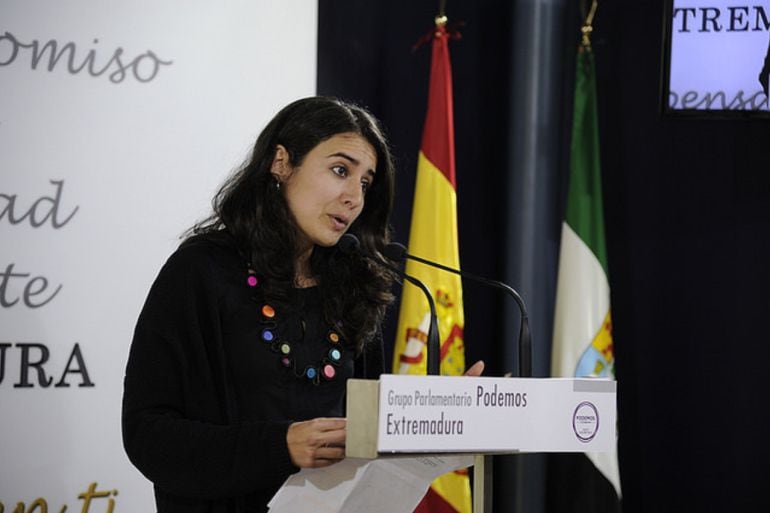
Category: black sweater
<point>207,403</point>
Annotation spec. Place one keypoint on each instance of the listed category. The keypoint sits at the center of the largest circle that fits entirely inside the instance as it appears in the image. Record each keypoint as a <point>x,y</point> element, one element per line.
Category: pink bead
<point>252,281</point>
<point>329,371</point>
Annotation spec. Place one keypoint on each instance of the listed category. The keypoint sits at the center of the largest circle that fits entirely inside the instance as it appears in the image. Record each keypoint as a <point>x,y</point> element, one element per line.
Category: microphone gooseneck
<point>349,244</point>
<point>398,253</point>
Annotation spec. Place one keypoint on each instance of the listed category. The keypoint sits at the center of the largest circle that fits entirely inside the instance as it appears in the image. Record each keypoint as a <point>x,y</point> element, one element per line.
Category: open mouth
<point>339,222</point>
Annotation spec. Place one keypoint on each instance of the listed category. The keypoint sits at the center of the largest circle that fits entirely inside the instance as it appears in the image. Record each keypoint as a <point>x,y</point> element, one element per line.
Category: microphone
<point>398,253</point>
<point>349,244</point>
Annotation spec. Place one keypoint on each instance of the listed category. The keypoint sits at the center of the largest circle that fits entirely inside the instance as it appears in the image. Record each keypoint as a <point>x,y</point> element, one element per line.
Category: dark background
<point>687,203</point>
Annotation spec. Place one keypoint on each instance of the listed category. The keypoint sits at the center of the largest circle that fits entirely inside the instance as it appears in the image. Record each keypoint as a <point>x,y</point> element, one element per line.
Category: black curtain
<point>688,202</point>
<point>687,205</point>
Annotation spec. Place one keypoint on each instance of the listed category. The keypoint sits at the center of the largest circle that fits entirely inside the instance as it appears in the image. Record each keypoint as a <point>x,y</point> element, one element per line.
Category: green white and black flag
<point>582,340</point>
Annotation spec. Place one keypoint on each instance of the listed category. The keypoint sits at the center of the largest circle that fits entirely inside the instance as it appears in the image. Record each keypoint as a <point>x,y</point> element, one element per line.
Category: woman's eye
<point>340,170</point>
<point>365,184</point>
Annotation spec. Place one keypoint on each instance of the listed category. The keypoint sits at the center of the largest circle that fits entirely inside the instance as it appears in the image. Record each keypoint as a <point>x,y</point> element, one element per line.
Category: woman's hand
<point>316,443</point>
<point>476,369</point>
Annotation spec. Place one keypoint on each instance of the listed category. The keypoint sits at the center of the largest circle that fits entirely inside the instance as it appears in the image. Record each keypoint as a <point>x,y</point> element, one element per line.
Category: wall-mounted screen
<point>716,58</point>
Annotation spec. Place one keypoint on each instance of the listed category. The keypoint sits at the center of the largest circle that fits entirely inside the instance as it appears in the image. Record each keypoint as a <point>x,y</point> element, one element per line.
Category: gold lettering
<point>111,502</point>
<point>40,505</point>
<point>89,494</point>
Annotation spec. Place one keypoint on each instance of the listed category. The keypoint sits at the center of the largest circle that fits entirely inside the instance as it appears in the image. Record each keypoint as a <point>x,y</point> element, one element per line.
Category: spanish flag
<point>433,235</point>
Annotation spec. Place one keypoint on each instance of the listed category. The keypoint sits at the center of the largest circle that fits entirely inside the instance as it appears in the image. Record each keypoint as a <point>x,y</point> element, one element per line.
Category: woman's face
<point>325,193</point>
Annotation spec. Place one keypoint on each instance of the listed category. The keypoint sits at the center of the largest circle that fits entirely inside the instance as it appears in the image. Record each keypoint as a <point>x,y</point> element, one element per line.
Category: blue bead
<point>335,355</point>
<point>310,373</point>
<point>267,335</point>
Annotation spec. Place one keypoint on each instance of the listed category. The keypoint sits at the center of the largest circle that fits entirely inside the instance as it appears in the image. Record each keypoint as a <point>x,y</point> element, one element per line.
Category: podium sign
<point>434,414</point>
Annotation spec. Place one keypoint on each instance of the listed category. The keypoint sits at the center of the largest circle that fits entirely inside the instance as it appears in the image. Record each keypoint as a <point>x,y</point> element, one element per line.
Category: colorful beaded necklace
<point>325,369</point>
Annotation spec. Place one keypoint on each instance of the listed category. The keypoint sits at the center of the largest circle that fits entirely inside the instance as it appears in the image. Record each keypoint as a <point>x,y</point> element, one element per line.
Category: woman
<point>237,370</point>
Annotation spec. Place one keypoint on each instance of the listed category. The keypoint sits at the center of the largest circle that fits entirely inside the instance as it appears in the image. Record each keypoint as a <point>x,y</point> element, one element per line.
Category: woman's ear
<point>281,167</point>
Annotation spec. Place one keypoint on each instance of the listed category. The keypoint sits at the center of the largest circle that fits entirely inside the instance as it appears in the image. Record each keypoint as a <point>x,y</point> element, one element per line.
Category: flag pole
<point>587,28</point>
<point>434,235</point>
<point>482,464</point>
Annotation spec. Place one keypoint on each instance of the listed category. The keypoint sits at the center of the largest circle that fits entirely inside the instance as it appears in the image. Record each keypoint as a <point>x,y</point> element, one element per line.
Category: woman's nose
<point>353,195</point>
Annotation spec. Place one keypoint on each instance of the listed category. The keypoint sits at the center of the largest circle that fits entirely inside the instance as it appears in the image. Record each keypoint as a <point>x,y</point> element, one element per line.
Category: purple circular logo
<point>585,421</point>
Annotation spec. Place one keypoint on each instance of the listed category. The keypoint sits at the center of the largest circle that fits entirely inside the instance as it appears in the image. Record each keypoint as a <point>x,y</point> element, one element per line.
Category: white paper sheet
<point>388,485</point>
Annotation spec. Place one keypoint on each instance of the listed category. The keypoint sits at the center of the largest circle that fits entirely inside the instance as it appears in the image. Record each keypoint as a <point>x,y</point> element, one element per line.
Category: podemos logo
<point>585,421</point>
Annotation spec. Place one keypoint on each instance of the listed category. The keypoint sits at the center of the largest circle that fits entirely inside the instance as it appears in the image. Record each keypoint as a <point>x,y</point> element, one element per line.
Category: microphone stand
<point>397,252</point>
<point>349,243</point>
<point>434,344</point>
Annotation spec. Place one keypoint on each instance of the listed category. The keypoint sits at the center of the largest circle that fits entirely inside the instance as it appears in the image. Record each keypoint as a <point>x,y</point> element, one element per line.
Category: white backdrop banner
<point>117,122</point>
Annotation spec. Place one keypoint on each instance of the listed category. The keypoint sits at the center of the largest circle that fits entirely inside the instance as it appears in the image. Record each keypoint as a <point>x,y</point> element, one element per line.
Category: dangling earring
<point>278,186</point>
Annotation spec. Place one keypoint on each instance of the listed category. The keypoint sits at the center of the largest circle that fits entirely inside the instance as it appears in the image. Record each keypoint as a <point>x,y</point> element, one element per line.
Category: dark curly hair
<point>254,212</point>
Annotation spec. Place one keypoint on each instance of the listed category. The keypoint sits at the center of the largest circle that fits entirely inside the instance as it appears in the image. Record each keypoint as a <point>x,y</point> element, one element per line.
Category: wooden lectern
<point>403,414</point>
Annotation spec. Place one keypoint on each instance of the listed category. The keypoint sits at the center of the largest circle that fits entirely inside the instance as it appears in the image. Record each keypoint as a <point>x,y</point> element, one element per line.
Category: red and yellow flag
<point>433,235</point>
